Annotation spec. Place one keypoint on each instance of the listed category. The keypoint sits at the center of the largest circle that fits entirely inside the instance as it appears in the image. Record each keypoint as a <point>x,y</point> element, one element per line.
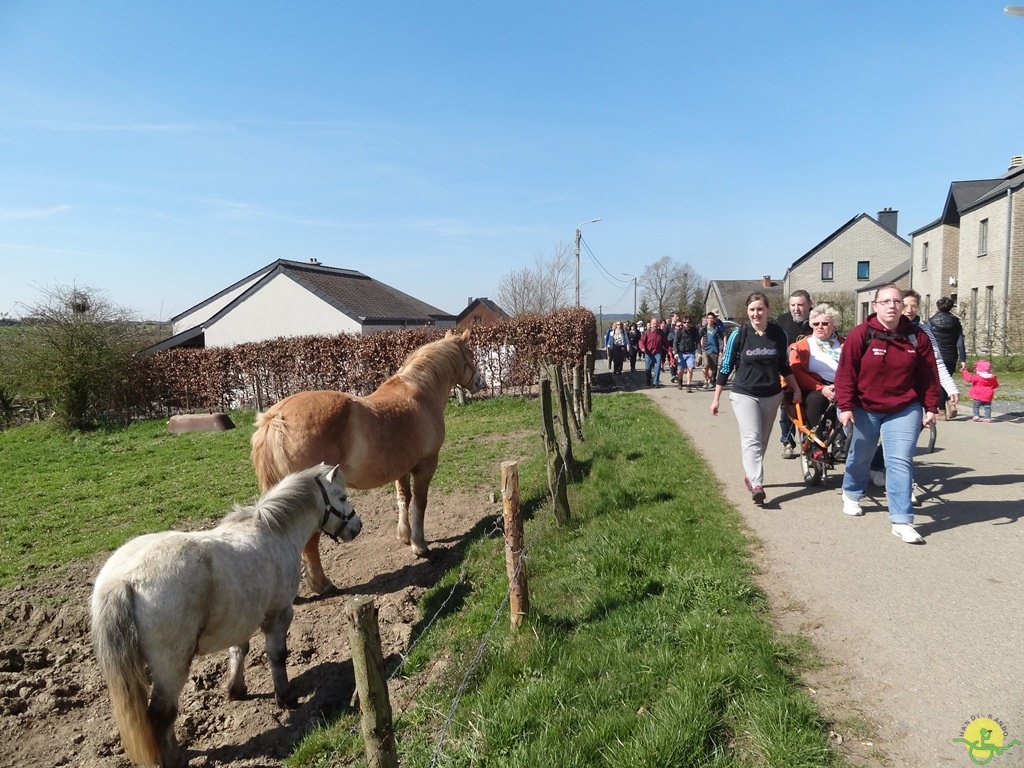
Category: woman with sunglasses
<point>886,375</point>
<point>814,360</point>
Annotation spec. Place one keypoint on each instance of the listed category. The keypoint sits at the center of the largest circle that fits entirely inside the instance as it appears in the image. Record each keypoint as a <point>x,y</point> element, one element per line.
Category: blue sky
<point>159,152</point>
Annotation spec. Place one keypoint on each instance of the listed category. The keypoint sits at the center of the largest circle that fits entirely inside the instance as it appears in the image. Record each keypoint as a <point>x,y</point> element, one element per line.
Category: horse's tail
<point>268,454</point>
<point>115,639</point>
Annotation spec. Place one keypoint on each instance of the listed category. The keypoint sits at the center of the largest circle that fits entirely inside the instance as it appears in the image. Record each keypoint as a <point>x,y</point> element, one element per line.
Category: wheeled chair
<point>822,446</point>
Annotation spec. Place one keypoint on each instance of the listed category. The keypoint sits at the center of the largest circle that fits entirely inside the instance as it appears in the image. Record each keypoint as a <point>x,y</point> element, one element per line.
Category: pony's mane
<point>276,508</point>
<point>432,365</point>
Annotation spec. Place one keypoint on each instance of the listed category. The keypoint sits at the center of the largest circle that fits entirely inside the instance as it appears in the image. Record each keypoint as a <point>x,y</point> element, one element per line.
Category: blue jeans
<point>654,361</point>
<point>899,432</point>
<point>786,427</point>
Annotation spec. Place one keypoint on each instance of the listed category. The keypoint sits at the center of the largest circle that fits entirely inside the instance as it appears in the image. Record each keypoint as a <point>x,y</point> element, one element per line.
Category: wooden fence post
<point>562,419</point>
<point>371,687</point>
<point>588,382</point>
<point>518,595</point>
<point>556,465</point>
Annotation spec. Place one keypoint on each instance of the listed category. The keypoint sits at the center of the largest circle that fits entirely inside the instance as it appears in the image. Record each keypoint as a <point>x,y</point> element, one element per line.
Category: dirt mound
<point>54,709</point>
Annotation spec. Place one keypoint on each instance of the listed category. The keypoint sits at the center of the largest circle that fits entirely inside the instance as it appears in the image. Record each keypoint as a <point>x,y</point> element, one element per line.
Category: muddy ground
<point>54,709</point>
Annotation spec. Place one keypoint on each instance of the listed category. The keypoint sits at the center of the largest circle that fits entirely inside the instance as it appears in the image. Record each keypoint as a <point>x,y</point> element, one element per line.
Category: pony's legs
<point>163,711</point>
<point>312,568</point>
<point>275,629</point>
<point>403,497</point>
<point>236,671</point>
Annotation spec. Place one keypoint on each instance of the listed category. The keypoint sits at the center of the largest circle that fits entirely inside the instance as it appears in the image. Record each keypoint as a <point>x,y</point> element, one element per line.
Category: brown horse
<point>392,434</point>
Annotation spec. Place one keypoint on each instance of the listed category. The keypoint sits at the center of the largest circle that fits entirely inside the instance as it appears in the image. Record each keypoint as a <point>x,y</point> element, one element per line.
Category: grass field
<point>647,642</point>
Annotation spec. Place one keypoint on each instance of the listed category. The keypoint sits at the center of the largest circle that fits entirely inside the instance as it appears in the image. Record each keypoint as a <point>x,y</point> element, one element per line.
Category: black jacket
<point>947,330</point>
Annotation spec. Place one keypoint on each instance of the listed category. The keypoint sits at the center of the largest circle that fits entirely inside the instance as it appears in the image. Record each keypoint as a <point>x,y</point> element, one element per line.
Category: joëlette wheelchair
<point>823,446</point>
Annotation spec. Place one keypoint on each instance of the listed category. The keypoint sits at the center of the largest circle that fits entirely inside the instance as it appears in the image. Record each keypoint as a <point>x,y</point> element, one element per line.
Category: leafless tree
<point>541,289</point>
<point>670,286</point>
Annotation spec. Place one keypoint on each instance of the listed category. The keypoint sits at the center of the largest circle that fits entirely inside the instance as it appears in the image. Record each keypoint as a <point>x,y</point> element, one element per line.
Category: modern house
<point>898,275</point>
<point>292,298</point>
<point>846,261</point>
<point>974,253</point>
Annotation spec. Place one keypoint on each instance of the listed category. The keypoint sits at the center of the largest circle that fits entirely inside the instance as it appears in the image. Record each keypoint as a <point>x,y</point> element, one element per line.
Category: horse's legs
<point>236,671</point>
<point>421,477</point>
<point>403,496</point>
<point>313,570</point>
<point>275,629</point>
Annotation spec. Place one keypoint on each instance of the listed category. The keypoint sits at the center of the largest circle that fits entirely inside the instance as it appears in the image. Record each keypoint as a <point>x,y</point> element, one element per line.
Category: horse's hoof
<point>420,550</point>
<point>326,587</point>
<point>237,692</point>
<point>287,702</point>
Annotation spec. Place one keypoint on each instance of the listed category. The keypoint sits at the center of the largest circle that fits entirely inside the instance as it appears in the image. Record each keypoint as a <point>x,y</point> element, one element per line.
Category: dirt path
<point>922,639</point>
<point>54,709</point>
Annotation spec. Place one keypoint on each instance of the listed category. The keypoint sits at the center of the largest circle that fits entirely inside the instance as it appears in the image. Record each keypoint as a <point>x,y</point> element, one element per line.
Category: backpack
<point>875,334</point>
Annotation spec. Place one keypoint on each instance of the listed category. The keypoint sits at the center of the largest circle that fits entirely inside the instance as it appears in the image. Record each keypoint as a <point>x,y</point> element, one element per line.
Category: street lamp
<point>578,256</point>
<point>634,292</point>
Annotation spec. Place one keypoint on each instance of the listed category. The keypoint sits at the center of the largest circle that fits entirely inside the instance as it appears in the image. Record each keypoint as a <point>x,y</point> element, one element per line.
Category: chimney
<point>314,261</point>
<point>766,281</point>
<point>469,301</point>
<point>887,217</point>
<point>1016,162</point>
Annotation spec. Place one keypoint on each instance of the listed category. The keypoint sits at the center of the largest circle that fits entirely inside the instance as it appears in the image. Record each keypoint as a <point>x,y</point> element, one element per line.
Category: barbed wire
<point>482,646</point>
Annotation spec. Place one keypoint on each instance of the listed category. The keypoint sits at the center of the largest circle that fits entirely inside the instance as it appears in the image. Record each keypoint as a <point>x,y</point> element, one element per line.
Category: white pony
<point>162,598</point>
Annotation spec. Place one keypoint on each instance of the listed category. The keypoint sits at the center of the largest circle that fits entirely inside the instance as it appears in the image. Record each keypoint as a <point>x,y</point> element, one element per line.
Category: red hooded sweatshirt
<point>885,375</point>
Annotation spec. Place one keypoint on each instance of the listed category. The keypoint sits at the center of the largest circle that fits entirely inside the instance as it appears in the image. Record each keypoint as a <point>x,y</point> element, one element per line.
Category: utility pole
<point>578,234</point>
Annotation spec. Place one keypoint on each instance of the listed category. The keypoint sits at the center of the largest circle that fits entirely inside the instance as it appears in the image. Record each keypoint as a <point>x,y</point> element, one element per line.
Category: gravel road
<point>924,639</point>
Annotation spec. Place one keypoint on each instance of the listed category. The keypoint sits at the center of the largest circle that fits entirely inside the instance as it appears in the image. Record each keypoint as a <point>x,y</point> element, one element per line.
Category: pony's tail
<point>268,454</point>
<point>115,639</point>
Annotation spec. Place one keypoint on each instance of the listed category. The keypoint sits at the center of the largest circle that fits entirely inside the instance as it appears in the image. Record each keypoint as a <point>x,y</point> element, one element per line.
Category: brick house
<point>481,311</point>
<point>974,253</point>
<point>853,256</point>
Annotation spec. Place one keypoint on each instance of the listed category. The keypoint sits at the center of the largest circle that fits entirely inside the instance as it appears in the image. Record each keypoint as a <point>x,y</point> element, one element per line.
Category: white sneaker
<point>916,493</point>
<point>851,507</point>
<point>878,477</point>
<point>906,532</point>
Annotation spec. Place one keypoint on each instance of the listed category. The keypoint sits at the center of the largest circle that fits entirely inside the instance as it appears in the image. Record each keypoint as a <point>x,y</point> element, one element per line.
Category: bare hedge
<point>258,374</point>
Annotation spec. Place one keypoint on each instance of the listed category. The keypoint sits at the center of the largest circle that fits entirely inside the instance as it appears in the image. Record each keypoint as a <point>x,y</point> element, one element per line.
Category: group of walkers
<point>678,342</point>
<point>888,379</point>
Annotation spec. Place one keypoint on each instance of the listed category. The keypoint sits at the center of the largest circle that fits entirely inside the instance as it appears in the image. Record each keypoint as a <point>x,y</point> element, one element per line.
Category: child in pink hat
<point>983,389</point>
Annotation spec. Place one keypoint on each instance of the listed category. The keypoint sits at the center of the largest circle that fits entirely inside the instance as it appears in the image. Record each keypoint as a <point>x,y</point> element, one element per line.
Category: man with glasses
<point>684,345</point>
<point>794,323</point>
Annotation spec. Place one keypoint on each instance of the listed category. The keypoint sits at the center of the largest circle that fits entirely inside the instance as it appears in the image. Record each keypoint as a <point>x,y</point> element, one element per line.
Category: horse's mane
<point>432,365</point>
<point>276,508</point>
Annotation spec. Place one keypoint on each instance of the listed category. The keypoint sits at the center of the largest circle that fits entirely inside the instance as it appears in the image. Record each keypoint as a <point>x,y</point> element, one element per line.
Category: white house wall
<point>280,308</point>
<point>206,311</point>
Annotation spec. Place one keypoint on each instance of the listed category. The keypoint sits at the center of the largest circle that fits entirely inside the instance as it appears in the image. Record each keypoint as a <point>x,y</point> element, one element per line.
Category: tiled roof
<point>360,297</point>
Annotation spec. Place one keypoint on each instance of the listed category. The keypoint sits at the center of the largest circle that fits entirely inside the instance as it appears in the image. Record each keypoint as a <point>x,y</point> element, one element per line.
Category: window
<point>983,237</point>
<point>974,320</point>
<point>863,270</point>
<point>826,271</point>
<point>924,257</point>
<point>989,317</point>
<point>865,310</point>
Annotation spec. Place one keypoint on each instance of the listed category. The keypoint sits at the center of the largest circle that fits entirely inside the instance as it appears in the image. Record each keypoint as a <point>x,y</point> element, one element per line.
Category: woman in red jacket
<point>886,375</point>
<point>814,360</point>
